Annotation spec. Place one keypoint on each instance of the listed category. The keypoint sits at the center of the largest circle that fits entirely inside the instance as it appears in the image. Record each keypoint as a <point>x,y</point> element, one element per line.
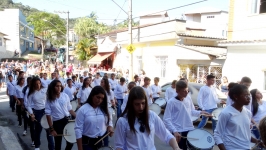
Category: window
<point>22,28</point>
<point>31,45</point>
<point>139,62</point>
<point>162,63</point>
<point>31,34</point>
<point>210,16</point>
<point>1,41</point>
<point>22,42</point>
<point>258,6</point>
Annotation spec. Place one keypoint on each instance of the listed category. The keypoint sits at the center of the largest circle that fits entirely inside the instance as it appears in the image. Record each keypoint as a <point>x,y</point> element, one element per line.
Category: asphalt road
<point>26,141</point>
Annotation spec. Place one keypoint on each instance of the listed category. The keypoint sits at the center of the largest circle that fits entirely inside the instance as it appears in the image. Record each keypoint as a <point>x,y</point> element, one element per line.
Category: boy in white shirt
<point>146,87</point>
<point>97,79</point>
<point>120,92</point>
<point>177,115</point>
<point>156,89</point>
<point>170,92</point>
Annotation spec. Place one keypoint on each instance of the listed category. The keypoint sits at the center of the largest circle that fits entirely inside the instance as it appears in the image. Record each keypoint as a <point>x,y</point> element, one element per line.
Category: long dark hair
<point>32,85</point>
<point>134,94</point>
<point>84,82</point>
<point>51,95</point>
<point>103,106</point>
<point>106,85</point>
<point>255,104</point>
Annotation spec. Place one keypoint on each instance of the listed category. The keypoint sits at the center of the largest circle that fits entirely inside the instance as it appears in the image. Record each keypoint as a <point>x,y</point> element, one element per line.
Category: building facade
<point>21,35</point>
<point>246,44</point>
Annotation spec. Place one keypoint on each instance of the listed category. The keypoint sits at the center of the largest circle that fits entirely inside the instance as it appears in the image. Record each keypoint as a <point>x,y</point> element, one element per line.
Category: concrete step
<point>8,140</point>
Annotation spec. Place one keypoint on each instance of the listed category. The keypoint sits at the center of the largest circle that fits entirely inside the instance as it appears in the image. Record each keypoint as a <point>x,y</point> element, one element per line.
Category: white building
<point>213,21</point>
<point>14,24</point>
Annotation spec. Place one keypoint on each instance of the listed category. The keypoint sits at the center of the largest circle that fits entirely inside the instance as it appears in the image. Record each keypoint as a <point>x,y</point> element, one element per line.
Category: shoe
<point>32,144</point>
<point>37,149</point>
<point>25,133</point>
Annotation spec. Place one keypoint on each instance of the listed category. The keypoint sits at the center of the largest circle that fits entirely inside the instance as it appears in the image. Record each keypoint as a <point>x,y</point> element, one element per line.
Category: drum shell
<point>106,148</point>
<point>161,102</point>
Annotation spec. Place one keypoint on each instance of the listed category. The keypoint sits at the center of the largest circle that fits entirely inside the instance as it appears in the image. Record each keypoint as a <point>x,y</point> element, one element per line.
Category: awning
<point>97,59</point>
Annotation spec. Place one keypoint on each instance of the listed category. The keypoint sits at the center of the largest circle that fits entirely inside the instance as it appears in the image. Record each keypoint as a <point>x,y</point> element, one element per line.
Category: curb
<point>9,140</point>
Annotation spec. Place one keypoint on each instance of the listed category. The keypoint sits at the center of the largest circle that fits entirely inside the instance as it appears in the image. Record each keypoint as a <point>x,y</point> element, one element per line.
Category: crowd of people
<point>98,97</point>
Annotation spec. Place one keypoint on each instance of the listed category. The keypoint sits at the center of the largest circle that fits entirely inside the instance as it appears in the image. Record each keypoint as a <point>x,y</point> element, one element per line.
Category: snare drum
<point>106,148</point>
<point>200,139</point>
<point>44,122</point>
<point>74,105</point>
<point>156,108</point>
<point>69,132</point>
<point>161,102</point>
<point>216,113</point>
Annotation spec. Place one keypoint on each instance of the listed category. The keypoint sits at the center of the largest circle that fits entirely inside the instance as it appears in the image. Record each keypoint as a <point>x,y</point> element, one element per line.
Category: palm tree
<point>86,49</point>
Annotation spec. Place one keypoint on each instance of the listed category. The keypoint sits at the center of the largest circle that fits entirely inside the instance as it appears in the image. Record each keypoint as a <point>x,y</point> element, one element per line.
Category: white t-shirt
<point>261,112</point>
<point>155,90</point>
<point>148,92</point>
<point>233,129</point>
<point>170,93</point>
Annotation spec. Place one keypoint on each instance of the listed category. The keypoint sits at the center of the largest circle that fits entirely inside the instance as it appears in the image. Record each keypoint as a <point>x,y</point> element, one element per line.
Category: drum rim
<point>206,131</point>
<point>64,131</point>
<point>106,146</point>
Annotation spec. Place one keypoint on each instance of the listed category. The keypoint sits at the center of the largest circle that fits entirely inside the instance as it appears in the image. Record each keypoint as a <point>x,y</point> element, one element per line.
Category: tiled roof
<point>218,52</point>
<point>241,41</point>
<point>200,36</point>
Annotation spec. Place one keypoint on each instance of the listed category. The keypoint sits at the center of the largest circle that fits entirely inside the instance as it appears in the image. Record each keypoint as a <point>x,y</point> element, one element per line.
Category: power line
<point>120,7</point>
<point>170,9</point>
<point>121,10</point>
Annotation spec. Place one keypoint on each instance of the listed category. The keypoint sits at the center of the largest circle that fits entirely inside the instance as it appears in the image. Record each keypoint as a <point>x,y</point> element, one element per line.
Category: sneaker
<point>37,149</point>
<point>25,133</point>
<point>32,144</point>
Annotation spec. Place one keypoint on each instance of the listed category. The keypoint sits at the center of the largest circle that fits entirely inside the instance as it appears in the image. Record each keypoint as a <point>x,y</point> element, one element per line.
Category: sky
<point>107,11</point>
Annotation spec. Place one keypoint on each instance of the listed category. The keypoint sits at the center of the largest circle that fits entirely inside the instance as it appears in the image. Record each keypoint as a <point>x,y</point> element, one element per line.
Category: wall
<point>242,22</point>
<point>151,19</point>
<point>241,62</point>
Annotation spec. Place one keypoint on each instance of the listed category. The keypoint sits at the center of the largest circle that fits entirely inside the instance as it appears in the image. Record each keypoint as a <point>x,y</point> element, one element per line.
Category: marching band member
<point>18,97</point>
<point>57,77</point>
<point>93,120</point>
<point>80,83</point>
<point>113,82</point>
<point>84,92</point>
<point>170,92</point>
<point>75,83</point>
<point>136,80</point>
<point>233,128</point>
<point>70,90</point>
<point>156,89</point>
<point>146,87</point>
<point>59,108</point>
<point>178,112</point>
<point>10,91</point>
<point>36,99</point>
<point>45,81</point>
<point>207,100</point>
<point>109,93</point>
<point>97,79</point>
<point>136,127</point>
<point>120,92</point>
<point>129,87</point>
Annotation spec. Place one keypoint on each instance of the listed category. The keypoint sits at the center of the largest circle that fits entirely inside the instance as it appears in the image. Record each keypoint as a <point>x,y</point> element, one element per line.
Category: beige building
<point>165,48</point>
<point>246,42</point>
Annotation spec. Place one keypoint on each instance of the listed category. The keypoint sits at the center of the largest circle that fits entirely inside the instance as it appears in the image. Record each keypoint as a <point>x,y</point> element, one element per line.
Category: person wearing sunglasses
<point>136,127</point>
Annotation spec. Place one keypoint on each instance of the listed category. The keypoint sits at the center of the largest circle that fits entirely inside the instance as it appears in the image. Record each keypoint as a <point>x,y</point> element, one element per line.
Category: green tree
<point>124,24</point>
<point>48,26</point>
<point>86,49</point>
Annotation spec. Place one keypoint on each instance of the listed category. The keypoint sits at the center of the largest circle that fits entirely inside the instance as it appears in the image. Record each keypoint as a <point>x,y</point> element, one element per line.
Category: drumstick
<point>29,115</point>
<point>189,138</point>
<point>102,138</point>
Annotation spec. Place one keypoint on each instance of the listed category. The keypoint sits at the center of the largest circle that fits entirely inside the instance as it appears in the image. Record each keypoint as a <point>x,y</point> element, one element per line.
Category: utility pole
<point>131,70</point>
<point>67,34</point>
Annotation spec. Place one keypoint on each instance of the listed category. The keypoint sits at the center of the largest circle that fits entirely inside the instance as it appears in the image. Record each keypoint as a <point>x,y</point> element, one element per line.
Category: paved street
<point>26,141</point>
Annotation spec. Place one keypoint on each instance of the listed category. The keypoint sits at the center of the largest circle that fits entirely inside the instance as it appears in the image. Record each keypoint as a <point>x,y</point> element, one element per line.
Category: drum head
<point>156,108</point>
<point>161,102</point>
<point>203,139</point>
<point>106,148</point>
<point>216,113</point>
<point>44,122</point>
<point>74,105</point>
<point>69,132</point>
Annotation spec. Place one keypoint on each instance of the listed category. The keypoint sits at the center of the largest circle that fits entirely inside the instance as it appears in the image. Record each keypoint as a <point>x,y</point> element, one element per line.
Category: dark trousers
<point>12,102</point>
<point>183,142</point>
<point>119,104</point>
<point>25,119</point>
<point>38,130</point>
<point>32,129</point>
<point>90,145</point>
<point>19,114</point>
<point>59,127</point>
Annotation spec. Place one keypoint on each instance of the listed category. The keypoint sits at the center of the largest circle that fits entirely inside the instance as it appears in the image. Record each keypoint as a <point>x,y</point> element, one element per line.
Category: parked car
<point>51,49</point>
<point>194,90</point>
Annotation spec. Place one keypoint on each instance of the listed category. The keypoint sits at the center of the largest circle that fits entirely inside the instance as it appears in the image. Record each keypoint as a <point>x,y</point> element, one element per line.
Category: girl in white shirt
<point>137,125</point>
<point>18,96</point>
<point>59,108</point>
<point>258,110</point>
<point>110,94</point>
<point>84,91</point>
<point>129,87</point>
<point>93,120</point>
<point>233,128</point>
